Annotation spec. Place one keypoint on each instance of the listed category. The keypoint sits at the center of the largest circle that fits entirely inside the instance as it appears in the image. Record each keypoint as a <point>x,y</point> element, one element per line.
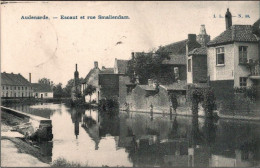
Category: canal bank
<point>17,152</point>
<point>186,111</point>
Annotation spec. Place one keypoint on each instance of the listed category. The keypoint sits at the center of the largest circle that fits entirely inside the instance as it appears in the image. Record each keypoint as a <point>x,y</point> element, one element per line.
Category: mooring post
<point>151,111</point>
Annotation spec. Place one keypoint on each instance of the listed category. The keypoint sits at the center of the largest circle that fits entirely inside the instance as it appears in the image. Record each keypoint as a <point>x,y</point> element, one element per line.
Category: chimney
<point>95,64</point>
<point>191,37</point>
<point>133,55</point>
<point>30,77</point>
<point>76,67</point>
<point>228,18</point>
<point>203,30</point>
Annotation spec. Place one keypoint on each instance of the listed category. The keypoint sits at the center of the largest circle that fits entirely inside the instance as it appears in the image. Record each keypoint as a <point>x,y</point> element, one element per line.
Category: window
<point>220,57</point>
<point>15,88</point>
<point>6,87</point>
<point>242,81</point>
<point>189,65</point>
<point>14,94</point>
<point>36,94</point>
<point>25,88</point>
<point>176,73</point>
<point>242,54</point>
<point>18,88</point>
<point>3,88</point>
<point>22,87</point>
<point>46,94</point>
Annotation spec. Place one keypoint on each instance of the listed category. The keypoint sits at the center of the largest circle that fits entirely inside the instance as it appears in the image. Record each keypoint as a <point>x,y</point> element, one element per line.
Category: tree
<point>90,90</point>
<point>45,81</point>
<point>68,87</point>
<point>146,65</point>
<point>58,91</point>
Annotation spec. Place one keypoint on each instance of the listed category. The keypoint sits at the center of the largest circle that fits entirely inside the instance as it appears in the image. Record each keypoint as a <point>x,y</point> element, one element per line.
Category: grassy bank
<point>61,162</point>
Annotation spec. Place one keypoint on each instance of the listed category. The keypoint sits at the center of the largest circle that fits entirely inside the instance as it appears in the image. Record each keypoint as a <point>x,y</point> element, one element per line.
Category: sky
<point>51,48</point>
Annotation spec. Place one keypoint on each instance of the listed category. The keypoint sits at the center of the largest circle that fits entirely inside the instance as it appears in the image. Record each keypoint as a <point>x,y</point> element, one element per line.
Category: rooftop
<point>181,85</point>
<point>91,76</point>
<point>199,51</point>
<point>177,51</point>
<point>14,79</point>
<point>147,87</point>
<point>41,87</point>
<point>107,71</point>
<point>236,33</point>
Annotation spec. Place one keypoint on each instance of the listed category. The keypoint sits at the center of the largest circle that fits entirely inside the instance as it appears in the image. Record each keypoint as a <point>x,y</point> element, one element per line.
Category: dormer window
<point>220,56</point>
<point>242,54</point>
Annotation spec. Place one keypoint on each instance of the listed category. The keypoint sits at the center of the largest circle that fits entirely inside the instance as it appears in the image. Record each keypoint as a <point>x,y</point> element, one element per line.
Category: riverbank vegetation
<point>61,162</point>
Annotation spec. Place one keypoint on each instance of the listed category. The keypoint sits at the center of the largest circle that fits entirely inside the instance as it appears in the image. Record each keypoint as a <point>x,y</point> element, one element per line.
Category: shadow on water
<point>109,137</point>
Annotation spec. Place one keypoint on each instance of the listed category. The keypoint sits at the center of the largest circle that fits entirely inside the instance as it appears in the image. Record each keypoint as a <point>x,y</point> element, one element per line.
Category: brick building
<point>108,83</point>
<point>197,66</point>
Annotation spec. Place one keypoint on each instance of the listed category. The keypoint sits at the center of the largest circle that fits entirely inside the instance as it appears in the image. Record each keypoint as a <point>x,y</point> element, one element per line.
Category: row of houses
<point>230,60</point>
<point>16,86</point>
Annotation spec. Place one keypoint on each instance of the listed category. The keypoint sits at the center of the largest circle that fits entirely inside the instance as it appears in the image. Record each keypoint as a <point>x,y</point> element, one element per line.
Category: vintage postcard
<point>130,84</point>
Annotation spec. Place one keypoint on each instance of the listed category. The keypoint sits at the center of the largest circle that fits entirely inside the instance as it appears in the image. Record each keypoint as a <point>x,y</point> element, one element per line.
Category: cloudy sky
<point>51,48</point>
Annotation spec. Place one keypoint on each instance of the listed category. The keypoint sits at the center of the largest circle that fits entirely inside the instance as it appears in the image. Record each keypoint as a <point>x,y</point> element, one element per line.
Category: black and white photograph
<point>130,83</point>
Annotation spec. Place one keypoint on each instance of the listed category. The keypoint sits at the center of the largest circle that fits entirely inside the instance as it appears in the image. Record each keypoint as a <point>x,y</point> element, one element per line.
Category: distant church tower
<point>76,84</point>
<point>203,38</point>
<point>228,18</point>
<point>76,76</point>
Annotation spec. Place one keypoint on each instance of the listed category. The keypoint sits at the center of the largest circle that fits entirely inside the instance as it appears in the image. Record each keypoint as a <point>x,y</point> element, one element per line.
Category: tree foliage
<point>146,66</point>
<point>90,90</point>
<point>68,87</point>
<point>45,81</point>
<point>58,91</point>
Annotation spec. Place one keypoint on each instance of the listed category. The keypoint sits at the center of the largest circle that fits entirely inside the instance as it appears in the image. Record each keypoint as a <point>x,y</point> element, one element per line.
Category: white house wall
<point>19,93</point>
<point>49,95</point>
<point>225,72</point>
<point>189,74</point>
<point>243,70</point>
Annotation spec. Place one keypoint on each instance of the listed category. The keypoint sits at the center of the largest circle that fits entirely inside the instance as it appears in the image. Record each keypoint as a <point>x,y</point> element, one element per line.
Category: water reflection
<point>133,139</point>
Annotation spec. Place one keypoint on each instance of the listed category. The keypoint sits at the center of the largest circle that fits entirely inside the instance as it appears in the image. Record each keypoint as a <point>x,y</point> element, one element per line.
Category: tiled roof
<point>122,66</point>
<point>41,87</point>
<point>199,51</point>
<point>181,85</point>
<point>175,59</point>
<point>91,73</point>
<point>175,48</point>
<point>177,52</point>
<point>107,71</point>
<point>236,33</point>
<point>14,79</point>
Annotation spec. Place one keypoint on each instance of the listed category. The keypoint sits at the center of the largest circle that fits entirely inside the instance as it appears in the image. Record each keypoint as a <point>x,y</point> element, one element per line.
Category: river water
<point>134,139</point>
